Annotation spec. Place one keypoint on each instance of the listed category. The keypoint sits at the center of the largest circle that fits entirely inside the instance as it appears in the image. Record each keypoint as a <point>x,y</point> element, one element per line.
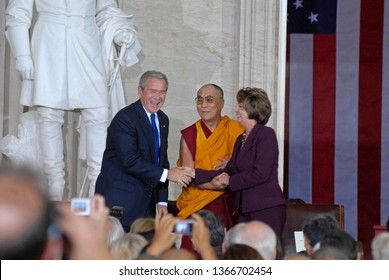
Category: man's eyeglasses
<point>208,99</point>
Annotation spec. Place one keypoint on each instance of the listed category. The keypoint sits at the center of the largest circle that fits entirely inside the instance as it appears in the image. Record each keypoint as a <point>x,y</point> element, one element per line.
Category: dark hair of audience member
<point>342,241</point>
<point>295,201</point>
<point>216,228</point>
<point>241,252</point>
<point>329,253</point>
<point>318,226</point>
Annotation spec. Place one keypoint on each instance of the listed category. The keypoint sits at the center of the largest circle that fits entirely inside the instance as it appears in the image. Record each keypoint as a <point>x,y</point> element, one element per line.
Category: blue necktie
<point>156,138</point>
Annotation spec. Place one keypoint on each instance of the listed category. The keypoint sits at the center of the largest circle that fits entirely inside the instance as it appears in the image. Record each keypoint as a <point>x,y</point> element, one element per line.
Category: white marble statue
<point>67,65</point>
<point>24,148</point>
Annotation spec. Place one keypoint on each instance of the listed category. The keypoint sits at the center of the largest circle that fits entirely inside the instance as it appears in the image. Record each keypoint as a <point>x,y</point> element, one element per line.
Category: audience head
<point>128,247</point>
<point>241,252</point>
<point>256,234</point>
<point>295,201</point>
<point>316,228</point>
<point>144,226</point>
<point>256,103</point>
<point>177,254</point>
<point>211,97</point>
<point>26,216</point>
<point>329,253</point>
<point>114,230</point>
<point>216,228</point>
<point>342,241</point>
<point>299,256</point>
<point>380,246</point>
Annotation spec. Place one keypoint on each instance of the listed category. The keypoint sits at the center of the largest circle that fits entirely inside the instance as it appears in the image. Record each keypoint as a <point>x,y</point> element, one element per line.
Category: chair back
<point>298,213</point>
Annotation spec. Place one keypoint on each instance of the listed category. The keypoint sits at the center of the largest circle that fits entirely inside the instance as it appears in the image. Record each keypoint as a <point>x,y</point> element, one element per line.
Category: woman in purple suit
<point>251,173</point>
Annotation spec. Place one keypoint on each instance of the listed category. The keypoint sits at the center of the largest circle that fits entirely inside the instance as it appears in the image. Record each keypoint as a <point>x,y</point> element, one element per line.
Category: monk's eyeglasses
<point>208,99</point>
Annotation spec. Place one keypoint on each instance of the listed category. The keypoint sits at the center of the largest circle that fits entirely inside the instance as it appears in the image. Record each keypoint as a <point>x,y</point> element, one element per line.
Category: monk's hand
<point>224,178</point>
<point>222,164</point>
<point>216,184</point>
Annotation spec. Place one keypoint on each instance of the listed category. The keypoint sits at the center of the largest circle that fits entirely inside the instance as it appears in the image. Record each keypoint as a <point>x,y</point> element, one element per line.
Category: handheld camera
<point>184,227</point>
<point>80,206</point>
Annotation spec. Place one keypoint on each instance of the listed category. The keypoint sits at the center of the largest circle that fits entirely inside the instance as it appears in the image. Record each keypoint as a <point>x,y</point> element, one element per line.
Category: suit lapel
<point>249,143</point>
<point>145,126</point>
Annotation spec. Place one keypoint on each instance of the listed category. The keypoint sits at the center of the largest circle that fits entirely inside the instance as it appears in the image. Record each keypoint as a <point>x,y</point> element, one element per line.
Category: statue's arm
<point>18,21</point>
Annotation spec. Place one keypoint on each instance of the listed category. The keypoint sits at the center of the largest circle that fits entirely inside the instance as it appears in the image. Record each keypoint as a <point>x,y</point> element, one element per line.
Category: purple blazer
<point>253,171</point>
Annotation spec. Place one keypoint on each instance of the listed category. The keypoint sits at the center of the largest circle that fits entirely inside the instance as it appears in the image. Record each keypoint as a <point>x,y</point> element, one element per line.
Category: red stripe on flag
<point>369,128</point>
<point>323,122</point>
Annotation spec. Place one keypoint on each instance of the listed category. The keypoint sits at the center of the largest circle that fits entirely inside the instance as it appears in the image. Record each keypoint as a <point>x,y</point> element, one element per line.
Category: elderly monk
<point>208,144</point>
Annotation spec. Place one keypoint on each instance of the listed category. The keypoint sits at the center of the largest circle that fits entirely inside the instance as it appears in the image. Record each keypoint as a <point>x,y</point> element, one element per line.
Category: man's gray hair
<point>255,234</point>
<point>380,246</point>
<point>115,230</point>
<point>152,74</point>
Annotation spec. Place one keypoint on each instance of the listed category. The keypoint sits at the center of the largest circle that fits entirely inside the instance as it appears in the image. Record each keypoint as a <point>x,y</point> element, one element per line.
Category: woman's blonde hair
<point>128,247</point>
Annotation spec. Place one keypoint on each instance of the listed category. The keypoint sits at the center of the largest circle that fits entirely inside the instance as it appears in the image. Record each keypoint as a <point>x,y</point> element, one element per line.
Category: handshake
<point>181,175</point>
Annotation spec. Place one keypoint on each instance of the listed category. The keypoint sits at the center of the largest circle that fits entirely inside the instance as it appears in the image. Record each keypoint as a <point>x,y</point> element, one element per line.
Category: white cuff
<point>162,203</point>
<point>164,176</point>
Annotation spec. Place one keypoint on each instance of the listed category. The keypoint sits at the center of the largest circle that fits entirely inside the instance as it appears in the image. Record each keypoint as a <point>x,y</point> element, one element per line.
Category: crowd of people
<point>33,227</point>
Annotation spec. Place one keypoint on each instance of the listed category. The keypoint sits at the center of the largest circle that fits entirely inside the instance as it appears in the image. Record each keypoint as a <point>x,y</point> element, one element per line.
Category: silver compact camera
<point>80,206</point>
<point>184,227</point>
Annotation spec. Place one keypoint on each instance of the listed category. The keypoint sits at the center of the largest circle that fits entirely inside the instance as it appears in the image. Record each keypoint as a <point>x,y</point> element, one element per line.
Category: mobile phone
<point>184,227</point>
<point>80,206</point>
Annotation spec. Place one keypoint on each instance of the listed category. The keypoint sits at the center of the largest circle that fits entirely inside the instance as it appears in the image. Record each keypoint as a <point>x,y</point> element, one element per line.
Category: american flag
<point>337,112</point>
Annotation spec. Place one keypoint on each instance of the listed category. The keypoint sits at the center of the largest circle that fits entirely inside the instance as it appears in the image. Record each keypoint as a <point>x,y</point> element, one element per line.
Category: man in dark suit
<point>135,168</point>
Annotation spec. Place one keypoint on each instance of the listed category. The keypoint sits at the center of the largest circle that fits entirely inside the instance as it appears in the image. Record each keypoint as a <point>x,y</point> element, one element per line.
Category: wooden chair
<point>298,213</point>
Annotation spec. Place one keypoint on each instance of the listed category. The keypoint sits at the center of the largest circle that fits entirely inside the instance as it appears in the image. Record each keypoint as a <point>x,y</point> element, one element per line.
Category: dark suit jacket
<point>253,171</point>
<point>128,176</point>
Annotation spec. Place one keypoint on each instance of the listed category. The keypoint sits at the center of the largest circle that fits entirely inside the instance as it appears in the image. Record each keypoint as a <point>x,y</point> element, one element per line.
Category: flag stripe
<point>323,126</point>
<point>300,116</point>
<point>385,121</point>
<point>346,129</point>
<point>369,130</point>
<point>286,126</point>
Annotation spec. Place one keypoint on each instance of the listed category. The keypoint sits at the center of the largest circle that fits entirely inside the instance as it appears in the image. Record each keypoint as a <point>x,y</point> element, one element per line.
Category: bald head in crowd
<point>255,234</point>
<point>24,217</point>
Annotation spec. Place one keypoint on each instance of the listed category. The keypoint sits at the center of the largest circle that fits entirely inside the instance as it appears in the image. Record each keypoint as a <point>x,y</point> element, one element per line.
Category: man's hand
<point>25,67</point>
<point>181,175</point>
<point>161,210</point>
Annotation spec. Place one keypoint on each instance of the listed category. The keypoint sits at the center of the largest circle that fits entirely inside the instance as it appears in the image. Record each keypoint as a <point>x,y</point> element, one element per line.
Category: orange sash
<point>208,152</point>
